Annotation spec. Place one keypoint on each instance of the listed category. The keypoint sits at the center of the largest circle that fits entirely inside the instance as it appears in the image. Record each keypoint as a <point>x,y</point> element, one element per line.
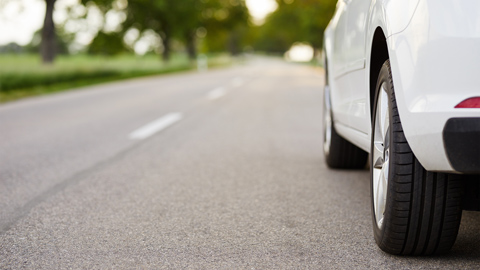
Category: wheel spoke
<point>381,196</point>
<point>378,155</point>
<point>379,204</point>
<point>376,177</point>
<point>386,126</point>
<point>384,178</point>
<point>379,121</point>
<point>384,110</point>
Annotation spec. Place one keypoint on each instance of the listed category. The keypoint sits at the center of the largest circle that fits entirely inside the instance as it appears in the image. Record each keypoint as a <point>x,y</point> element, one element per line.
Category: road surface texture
<point>213,170</point>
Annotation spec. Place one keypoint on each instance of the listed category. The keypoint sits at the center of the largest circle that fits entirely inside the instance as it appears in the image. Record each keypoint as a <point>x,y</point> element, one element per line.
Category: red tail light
<point>473,102</point>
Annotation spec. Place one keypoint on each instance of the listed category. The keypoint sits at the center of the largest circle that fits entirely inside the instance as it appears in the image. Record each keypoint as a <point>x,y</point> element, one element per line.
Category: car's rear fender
<point>435,62</point>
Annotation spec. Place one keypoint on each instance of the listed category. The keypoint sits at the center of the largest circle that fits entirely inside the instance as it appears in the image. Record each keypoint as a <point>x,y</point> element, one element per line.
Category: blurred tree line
<point>205,25</point>
<point>294,21</point>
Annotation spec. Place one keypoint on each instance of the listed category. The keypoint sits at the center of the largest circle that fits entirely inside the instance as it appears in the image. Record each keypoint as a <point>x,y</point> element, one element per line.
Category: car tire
<point>338,152</point>
<point>415,212</point>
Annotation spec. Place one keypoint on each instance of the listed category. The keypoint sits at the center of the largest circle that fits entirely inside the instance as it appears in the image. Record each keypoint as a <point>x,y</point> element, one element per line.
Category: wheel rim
<point>327,136</point>
<point>381,154</point>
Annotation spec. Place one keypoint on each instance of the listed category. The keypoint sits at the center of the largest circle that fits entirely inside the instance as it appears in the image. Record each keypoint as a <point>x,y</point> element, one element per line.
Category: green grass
<point>24,75</point>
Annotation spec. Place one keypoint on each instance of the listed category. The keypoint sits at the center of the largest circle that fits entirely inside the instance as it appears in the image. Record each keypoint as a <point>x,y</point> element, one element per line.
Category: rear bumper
<point>435,63</point>
<point>461,139</point>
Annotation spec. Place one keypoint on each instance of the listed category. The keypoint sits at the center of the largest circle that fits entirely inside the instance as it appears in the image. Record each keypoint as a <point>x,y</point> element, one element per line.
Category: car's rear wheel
<point>415,212</point>
<point>339,153</point>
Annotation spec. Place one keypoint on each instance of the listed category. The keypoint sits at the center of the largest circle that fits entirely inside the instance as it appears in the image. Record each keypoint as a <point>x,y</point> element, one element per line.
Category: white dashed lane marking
<point>155,126</point>
<point>216,93</point>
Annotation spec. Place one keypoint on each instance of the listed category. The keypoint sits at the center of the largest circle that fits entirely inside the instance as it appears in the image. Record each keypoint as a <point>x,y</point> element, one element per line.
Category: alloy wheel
<point>381,153</point>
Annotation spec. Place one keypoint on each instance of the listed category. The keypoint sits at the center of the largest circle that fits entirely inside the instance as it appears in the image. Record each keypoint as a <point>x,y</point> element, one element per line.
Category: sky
<point>19,19</point>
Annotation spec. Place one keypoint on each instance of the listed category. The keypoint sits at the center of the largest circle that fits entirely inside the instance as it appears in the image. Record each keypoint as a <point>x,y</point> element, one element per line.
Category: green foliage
<point>224,21</point>
<point>12,81</point>
<point>23,74</point>
<point>107,44</point>
<point>227,23</point>
<point>295,21</point>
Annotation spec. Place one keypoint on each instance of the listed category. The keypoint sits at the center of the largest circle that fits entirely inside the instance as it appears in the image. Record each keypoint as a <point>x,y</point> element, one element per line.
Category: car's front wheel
<point>415,212</point>
<point>339,153</point>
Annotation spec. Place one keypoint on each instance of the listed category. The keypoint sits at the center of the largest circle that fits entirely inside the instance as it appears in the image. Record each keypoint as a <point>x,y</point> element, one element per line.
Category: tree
<point>61,43</point>
<point>226,22</point>
<point>295,21</point>
<point>48,44</point>
<point>168,18</point>
<point>107,44</point>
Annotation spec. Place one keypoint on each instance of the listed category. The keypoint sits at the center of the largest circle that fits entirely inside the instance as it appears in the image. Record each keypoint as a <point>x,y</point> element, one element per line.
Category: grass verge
<point>23,75</point>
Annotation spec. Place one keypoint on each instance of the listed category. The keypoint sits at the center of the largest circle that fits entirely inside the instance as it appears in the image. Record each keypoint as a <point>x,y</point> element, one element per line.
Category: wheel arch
<point>378,56</point>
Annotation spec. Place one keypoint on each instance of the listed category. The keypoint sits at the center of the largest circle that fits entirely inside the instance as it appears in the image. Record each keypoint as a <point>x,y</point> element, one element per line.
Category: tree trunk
<point>48,46</point>
<point>233,43</point>
<point>191,46</point>
<point>166,46</point>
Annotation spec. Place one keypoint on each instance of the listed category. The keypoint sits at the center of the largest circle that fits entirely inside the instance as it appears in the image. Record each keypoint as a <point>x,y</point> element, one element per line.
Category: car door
<point>355,62</point>
<point>337,65</point>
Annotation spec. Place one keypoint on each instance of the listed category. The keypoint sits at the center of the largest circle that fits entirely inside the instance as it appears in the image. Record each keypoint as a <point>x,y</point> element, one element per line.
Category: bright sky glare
<point>19,19</point>
<point>260,8</point>
<point>300,52</point>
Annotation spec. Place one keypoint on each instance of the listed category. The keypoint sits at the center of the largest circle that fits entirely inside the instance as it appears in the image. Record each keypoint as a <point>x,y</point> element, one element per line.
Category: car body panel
<point>435,66</point>
<point>338,64</point>
<point>434,51</point>
<point>399,14</point>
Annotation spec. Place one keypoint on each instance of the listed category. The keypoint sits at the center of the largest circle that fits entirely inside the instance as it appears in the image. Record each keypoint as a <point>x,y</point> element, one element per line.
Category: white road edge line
<point>155,126</point>
<point>216,93</point>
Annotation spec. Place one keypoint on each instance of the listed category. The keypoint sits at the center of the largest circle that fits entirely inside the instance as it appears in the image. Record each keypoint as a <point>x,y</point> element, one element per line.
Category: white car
<point>403,90</point>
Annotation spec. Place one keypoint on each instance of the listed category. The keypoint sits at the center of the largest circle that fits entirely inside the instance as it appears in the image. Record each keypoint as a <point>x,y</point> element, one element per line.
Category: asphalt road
<point>215,170</point>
